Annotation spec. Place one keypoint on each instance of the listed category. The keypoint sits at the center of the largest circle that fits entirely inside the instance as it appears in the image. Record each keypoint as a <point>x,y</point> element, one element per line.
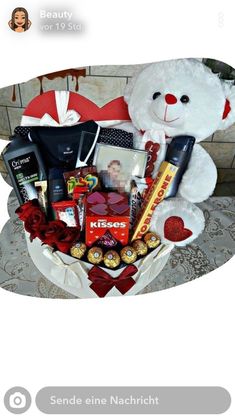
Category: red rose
<point>49,233</point>
<point>24,210</point>
<point>35,218</point>
<point>67,238</point>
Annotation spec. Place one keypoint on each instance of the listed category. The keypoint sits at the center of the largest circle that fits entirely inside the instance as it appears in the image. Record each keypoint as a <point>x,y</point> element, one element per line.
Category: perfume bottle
<point>178,153</point>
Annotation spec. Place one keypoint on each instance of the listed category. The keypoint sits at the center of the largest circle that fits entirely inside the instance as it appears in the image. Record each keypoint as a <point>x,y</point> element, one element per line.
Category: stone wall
<point>102,84</point>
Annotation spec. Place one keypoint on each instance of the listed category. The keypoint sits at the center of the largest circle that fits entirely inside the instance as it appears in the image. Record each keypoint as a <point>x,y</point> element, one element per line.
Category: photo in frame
<point>116,166</point>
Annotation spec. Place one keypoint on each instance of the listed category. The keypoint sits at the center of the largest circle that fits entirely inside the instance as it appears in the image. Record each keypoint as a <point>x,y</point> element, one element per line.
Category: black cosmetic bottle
<point>57,187</point>
<point>178,153</point>
<point>25,165</point>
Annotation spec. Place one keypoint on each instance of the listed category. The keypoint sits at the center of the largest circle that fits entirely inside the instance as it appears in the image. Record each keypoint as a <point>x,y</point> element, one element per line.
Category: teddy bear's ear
<point>128,89</point>
<point>228,117</point>
<point>131,83</point>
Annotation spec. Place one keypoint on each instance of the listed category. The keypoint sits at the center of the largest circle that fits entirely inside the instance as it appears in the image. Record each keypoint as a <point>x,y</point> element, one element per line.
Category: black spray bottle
<point>178,153</point>
<point>25,165</point>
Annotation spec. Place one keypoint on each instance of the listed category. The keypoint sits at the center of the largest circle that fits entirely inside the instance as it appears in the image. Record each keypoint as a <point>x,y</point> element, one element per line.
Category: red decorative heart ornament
<point>119,208</point>
<point>152,149</point>
<point>96,198</point>
<point>114,198</point>
<point>174,229</point>
<point>100,209</point>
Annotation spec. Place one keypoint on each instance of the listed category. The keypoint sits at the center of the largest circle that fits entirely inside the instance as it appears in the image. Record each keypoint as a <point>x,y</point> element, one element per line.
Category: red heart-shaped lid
<point>45,103</point>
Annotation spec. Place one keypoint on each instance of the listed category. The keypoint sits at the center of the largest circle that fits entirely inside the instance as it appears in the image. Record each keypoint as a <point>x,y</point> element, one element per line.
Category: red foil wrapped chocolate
<point>107,212</point>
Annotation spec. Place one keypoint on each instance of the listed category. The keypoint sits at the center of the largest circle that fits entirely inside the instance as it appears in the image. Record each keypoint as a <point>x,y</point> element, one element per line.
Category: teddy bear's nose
<point>170,99</point>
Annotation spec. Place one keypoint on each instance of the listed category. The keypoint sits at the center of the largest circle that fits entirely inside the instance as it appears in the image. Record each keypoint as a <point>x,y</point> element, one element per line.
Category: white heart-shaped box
<point>72,275</point>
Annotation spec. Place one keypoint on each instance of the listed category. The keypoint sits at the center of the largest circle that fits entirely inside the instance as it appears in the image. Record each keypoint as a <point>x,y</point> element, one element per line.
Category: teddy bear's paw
<point>200,178</point>
<point>177,221</point>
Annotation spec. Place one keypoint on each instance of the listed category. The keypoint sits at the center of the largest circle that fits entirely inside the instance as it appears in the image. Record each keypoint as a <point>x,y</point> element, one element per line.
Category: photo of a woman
<point>19,20</point>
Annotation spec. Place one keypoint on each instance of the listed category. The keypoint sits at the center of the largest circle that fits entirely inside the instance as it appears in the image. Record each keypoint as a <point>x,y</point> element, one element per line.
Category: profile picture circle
<point>19,20</point>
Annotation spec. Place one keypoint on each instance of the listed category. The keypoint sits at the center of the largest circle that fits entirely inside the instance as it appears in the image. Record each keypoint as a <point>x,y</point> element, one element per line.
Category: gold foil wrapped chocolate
<point>112,259</point>
<point>78,250</point>
<point>152,240</point>
<point>95,255</point>
<point>140,247</point>
<point>128,255</point>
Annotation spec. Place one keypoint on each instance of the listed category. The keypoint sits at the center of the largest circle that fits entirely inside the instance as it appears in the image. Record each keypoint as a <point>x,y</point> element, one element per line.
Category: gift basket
<point>105,193</point>
<point>82,189</point>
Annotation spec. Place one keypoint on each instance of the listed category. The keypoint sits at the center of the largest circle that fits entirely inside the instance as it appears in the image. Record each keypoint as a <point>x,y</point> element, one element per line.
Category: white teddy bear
<point>180,97</point>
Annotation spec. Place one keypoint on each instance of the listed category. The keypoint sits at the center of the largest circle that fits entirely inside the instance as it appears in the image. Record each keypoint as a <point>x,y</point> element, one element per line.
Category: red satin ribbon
<point>102,282</point>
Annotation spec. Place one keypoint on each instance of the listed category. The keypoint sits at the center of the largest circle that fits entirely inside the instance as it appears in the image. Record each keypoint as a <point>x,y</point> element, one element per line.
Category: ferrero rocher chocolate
<point>78,250</point>
<point>152,240</point>
<point>95,255</point>
<point>128,255</point>
<point>112,259</point>
<point>140,247</point>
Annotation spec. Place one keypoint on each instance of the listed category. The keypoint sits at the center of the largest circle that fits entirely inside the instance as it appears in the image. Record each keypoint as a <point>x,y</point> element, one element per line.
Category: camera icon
<point>17,400</point>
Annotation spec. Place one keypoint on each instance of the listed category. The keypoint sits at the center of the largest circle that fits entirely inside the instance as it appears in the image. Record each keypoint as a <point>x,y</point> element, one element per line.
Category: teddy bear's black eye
<point>156,94</point>
<point>184,99</point>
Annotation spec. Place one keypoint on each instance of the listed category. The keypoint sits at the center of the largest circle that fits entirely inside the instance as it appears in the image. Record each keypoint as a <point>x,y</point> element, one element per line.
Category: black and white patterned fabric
<point>109,136</point>
<point>116,137</point>
<point>23,131</point>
